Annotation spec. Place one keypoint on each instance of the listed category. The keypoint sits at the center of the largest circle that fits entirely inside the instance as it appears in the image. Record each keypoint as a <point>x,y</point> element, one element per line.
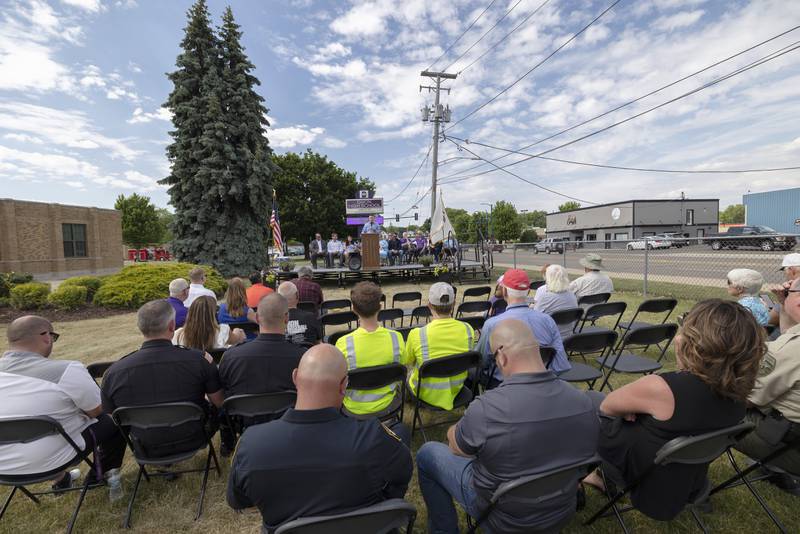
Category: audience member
<point>201,330</point>
<point>593,282</point>
<point>314,461</point>
<point>369,345</point>
<point>160,372</point>
<point>395,249</point>
<point>335,250</point>
<point>443,336</point>
<point>34,385</point>
<point>791,271</point>
<point>235,310</point>
<point>303,326</point>
<point>317,249</point>
<point>745,285</point>
<point>178,293</point>
<point>555,295</point>
<point>197,277</point>
<point>718,351</point>
<point>307,289</point>
<point>532,423</point>
<point>257,290</point>
<point>516,285</point>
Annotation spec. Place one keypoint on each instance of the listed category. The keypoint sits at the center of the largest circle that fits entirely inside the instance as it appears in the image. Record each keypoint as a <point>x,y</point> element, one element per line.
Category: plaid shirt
<point>308,291</point>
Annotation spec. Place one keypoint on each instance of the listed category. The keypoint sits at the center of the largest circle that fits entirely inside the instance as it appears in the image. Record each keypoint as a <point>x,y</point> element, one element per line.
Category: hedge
<point>91,283</point>
<point>68,297</point>
<point>9,280</point>
<point>30,295</point>
<point>136,284</point>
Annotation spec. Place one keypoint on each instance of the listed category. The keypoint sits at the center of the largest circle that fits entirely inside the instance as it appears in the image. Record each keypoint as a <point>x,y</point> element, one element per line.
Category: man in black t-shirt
<point>303,326</point>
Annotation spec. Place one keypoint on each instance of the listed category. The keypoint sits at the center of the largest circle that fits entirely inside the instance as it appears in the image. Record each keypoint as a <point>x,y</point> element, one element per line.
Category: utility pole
<point>438,114</point>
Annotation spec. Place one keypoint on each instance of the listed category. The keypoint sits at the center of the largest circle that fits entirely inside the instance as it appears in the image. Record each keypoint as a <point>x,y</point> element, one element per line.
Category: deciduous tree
<point>569,205</point>
<point>505,221</point>
<point>733,214</point>
<point>141,224</point>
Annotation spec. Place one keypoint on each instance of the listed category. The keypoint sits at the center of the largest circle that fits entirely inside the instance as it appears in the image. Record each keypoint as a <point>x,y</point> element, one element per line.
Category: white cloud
<point>365,19</point>
<point>43,165</point>
<point>330,51</point>
<point>23,138</point>
<point>302,135</point>
<point>133,67</point>
<point>678,20</point>
<point>139,116</point>
<point>76,184</point>
<point>333,142</point>
<point>89,5</point>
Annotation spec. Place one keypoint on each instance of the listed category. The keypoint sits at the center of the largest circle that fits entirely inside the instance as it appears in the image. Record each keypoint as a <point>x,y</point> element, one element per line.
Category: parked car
<point>677,240</point>
<point>550,244</point>
<point>649,242</point>
<point>762,237</point>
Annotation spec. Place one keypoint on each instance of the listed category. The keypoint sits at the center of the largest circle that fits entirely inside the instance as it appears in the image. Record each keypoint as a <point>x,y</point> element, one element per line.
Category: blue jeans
<point>443,476</point>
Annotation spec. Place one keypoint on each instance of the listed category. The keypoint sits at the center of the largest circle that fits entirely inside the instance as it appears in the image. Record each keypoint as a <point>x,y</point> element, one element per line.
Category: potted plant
<point>286,266</point>
<point>426,261</point>
<point>442,272</point>
<point>269,279</point>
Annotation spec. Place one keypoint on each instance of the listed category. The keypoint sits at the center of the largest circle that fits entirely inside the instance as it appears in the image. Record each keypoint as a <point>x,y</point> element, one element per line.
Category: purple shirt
<point>420,241</point>
<point>180,311</point>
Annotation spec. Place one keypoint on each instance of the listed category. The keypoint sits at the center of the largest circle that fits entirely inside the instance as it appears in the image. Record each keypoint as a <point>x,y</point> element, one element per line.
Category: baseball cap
<point>441,294</point>
<point>516,279</point>
<point>790,260</point>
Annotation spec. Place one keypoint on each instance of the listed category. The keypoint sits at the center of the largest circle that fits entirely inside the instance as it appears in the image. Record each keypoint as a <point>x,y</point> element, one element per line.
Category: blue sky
<point>82,82</point>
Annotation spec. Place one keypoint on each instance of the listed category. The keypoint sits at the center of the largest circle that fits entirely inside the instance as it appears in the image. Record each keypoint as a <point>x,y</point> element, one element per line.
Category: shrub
<point>16,279</point>
<point>68,297</point>
<point>30,295</point>
<point>5,286</point>
<point>5,302</point>
<point>528,236</point>
<point>91,283</point>
<point>136,284</point>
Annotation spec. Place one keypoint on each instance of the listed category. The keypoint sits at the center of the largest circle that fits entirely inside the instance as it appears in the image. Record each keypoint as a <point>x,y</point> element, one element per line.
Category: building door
<point>608,241</point>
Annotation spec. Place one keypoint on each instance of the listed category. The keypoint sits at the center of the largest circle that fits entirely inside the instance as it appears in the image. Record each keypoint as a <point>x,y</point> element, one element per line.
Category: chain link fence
<point>693,268</point>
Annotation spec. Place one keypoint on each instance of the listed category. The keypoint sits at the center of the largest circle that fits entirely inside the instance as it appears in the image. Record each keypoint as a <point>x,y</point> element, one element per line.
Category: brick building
<point>53,240</point>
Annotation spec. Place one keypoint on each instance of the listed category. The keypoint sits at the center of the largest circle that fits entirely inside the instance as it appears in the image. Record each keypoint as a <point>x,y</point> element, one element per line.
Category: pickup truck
<point>762,237</point>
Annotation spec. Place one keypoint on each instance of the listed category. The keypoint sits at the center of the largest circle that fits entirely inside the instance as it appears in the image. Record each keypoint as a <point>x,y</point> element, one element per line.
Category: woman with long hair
<point>234,309</point>
<point>718,351</point>
<point>201,330</point>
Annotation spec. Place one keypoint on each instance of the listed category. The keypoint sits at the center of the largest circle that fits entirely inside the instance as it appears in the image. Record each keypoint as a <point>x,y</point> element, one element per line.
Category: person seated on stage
<point>718,350</point>
<point>257,290</point>
<point>369,345</point>
<point>202,331</point>
<point>178,293</point>
<point>160,372</point>
<point>383,249</point>
<point>420,245</point>
<point>35,385</point>
<point>371,227</point>
<point>395,249</point>
<point>745,285</point>
<point>350,247</point>
<point>315,461</point>
<point>593,282</point>
<point>335,250</point>
<point>450,246</point>
<point>316,249</point>
<point>407,246</point>
<point>235,308</point>
<point>534,423</point>
<point>307,289</point>
<point>303,326</point>
<point>443,336</point>
<point>197,277</point>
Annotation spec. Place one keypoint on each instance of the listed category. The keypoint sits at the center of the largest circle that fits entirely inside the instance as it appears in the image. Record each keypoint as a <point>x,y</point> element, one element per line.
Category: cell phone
<point>768,300</point>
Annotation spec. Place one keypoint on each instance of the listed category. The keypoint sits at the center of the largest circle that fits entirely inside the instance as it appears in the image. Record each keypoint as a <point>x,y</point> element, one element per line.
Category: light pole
<point>489,222</point>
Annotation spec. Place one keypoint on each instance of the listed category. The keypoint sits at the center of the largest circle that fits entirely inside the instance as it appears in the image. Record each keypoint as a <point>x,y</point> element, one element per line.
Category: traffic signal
<point>416,216</point>
<point>397,217</point>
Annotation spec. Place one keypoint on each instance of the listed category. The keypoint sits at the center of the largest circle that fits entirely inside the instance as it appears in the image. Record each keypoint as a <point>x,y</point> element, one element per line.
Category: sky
<point>82,83</point>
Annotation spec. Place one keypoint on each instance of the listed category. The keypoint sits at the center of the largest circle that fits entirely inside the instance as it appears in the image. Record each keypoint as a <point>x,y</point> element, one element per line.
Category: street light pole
<point>489,222</point>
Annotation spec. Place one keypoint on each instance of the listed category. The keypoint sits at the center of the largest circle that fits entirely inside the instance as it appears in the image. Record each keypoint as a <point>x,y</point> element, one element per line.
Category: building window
<point>621,236</point>
<point>689,217</point>
<point>74,240</point>
<point>648,234</point>
<point>591,237</point>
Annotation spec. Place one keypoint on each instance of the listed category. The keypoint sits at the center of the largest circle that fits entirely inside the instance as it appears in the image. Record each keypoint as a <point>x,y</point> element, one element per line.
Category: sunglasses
<point>787,291</point>
<point>53,335</point>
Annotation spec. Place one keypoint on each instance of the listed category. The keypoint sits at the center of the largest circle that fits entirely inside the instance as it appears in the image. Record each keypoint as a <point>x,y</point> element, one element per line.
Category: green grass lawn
<point>163,507</point>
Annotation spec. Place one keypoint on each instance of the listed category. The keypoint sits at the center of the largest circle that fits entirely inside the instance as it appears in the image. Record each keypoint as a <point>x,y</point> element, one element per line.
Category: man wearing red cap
<point>516,286</point>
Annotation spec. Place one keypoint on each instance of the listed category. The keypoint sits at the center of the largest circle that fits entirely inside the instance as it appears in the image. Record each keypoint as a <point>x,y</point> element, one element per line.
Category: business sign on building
<point>363,206</point>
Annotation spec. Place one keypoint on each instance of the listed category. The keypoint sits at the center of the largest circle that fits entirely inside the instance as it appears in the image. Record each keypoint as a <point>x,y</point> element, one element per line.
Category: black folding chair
<point>216,354</point>
<point>445,367</point>
<point>476,322</point>
<point>625,361</point>
<point>98,369</point>
<point>404,331</point>
<point>483,291</point>
<point>598,311</point>
<point>336,319</point>
<point>475,306</point>
<point>567,317</point>
<point>688,450</point>
<point>379,376</point>
<point>387,516</point>
<point>22,430</point>
<point>598,298</point>
<point>336,336</point>
<point>162,416</point>
<point>419,313</point>
<point>537,489</point>
<point>407,296</point>
<point>536,284</point>
<point>250,329</point>
<point>307,306</point>
<point>665,306</point>
<point>581,344</point>
<point>242,411</point>
<point>336,304</point>
<point>391,315</point>
<point>498,307</point>
<point>383,301</point>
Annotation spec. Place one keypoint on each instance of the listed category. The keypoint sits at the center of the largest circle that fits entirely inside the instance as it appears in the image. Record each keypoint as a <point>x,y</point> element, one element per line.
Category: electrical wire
<point>430,147</point>
<point>542,62</point>
<point>435,61</point>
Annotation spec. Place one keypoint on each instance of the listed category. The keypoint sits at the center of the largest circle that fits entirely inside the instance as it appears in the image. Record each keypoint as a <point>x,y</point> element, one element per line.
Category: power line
<point>413,177</point>
<point>554,52</point>
<point>430,67</point>
<point>631,102</point>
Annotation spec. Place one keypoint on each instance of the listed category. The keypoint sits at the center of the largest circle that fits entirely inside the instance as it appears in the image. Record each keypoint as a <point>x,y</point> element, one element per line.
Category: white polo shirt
<point>198,290</point>
<point>33,385</point>
<point>591,283</point>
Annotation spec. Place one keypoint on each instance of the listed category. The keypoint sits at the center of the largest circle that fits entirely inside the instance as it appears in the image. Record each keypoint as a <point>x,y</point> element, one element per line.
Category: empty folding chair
<point>336,319</point>
<point>307,306</point>
<point>333,338</point>
<point>581,344</point>
<point>251,409</point>
<point>598,298</point>
<point>407,296</point>
<point>22,430</point>
<point>419,313</point>
<point>598,311</point>
<point>481,292</point>
<point>622,360</point>
<point>664,306</point>
<point>335,304</point>
<point>391,315</point>
<point>387,516</point>
<point>498,307</point>
<point>536,284</point>
<point>369,378</point>
<point>476,306</point>
<point>133,419</point>
<point>98,369</point>
<point>567,319</point>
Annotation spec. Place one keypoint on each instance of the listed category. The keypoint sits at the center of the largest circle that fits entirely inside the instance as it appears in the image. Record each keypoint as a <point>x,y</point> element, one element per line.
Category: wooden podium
<point>370,251</point>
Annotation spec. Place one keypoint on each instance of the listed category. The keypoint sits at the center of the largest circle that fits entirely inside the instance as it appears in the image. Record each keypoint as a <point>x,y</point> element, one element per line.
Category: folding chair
<point>407,296</point>
<point>598,311</point>
<point>404,331</point>
<point>536,284</point>
<point>387,516</point>
<point>336,319</point>
<point>250,329</point>
<point>21,430</point>
<point>383,301</point>
<point>419,313</point>
<point>582,344</point>
<point>567,316</point>
<point>251,409</point>
<point>665,306</point>
<point>336,336</point>
<point>379,376</point>
<point>475,306</point>
<point>537,489</point>
<point>161,416</point>
<point>216,354</point>
<point>391,315</point>
<point>98,369</point>
<point>337,304</point>
<point>688,450</point>
<point>498,307</point>
<point>483,291</point>
<point>627,362</point>
<point>598,298</point>
<point>476,322</point>
<point>445,367</point>
<point>307,306</point>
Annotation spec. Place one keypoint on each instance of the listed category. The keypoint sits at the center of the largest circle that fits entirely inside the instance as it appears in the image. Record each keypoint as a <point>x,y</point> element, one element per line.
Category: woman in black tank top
<point>718,350</point>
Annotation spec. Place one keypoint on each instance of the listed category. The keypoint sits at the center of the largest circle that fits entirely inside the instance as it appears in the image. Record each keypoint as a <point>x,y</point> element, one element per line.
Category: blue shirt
<point>544,329</point>
<point>180,311</point>
<point>223,317</point>
<point>757,308</point>
<point>371,228</point>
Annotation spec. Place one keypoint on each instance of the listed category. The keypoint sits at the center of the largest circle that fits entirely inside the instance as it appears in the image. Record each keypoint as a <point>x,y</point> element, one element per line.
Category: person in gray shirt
<point>532,423</point>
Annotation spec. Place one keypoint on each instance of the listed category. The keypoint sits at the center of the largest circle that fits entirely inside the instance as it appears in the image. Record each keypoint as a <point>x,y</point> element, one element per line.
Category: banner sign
<point>361,206</point>
<point>360,221</point>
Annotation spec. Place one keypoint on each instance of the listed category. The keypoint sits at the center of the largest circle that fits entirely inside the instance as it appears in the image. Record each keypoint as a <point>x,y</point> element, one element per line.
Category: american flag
<point>275,224</point>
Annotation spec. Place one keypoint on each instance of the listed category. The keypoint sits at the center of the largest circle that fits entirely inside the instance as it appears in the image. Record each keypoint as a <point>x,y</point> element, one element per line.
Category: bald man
<point>532,422</point>
<point>33,385</point>
<point>315,461</point>
<point>303,326</point>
